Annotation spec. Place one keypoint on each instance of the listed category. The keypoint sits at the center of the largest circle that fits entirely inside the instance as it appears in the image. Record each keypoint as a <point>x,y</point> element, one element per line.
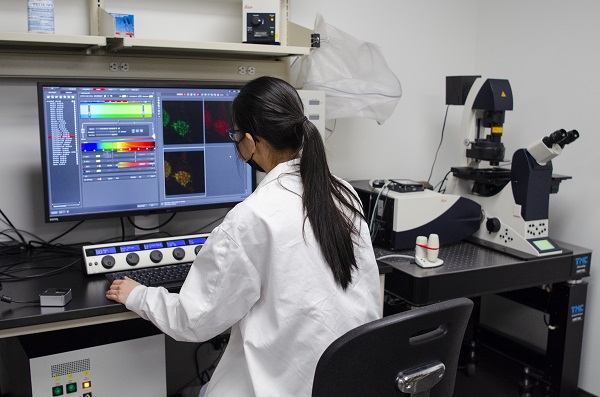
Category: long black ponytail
<point>270,108</point>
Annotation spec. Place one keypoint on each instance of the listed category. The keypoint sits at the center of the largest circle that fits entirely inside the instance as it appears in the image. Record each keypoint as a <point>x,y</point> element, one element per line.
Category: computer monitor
<point>125,148</point>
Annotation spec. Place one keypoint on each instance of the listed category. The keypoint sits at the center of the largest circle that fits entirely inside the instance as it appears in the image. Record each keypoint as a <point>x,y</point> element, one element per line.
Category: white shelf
<point>132,45</point>
<point>50,41</point>
<point>129,46</point>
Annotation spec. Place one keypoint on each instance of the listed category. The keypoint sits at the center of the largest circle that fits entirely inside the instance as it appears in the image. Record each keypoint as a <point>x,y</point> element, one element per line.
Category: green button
<point>57,391</point>
<point>71,388</point>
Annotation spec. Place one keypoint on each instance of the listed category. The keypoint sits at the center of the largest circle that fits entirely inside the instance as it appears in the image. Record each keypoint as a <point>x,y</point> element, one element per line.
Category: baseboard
<point>583,393</point>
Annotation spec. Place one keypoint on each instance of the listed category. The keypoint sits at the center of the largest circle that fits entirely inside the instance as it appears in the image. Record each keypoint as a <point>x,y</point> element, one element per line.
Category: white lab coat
<point>260,275</point>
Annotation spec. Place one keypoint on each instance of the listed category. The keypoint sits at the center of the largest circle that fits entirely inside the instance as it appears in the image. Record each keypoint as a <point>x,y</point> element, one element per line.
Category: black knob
<point>493,225</point>
<point>197,249</point>
<point>256,20</point>
<point>178,253</point>
<point>108,262</point>
<point>156,256</point>
<point>132,259</point>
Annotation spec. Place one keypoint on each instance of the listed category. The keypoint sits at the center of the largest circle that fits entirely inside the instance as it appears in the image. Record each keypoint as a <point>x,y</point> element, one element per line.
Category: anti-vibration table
<point>552,284</point>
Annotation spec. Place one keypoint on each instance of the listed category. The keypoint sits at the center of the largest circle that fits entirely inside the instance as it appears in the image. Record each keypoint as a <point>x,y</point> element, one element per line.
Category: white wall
<point>547,51</point>
<point>423,42</point>
<point>546,48</point>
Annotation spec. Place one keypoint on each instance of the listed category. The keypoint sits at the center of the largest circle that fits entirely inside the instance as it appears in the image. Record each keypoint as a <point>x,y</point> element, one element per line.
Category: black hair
<point>271,108</point>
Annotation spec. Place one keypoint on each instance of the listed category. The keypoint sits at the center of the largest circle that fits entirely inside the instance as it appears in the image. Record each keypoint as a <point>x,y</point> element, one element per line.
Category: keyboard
<point>169,276</point>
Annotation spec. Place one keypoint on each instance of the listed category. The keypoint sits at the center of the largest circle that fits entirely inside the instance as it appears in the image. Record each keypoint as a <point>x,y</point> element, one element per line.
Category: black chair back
<point>415,351</point>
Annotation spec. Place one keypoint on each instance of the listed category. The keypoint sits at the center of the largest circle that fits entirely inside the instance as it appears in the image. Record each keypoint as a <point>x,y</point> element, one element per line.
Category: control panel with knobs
<point>113,257</point>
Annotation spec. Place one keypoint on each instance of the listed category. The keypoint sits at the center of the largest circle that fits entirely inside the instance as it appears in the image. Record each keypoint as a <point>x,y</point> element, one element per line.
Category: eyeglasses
<point>234,133</point>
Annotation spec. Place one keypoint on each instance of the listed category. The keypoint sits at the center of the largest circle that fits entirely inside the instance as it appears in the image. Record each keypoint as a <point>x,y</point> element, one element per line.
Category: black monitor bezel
<point>121,83</point>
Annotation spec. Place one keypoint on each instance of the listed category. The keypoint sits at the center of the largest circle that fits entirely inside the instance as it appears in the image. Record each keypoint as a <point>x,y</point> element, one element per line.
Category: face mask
<point>254,165</point>
<point>250,162</point>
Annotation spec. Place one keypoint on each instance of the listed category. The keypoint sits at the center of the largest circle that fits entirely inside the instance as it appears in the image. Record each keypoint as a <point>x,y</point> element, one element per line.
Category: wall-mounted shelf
<point>35,55</point>
<point>41,41</point>
<point>26,42</point>
<point>127,46</point>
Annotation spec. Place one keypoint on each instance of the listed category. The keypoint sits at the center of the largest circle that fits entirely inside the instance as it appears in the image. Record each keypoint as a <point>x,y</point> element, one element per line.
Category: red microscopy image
<point>217,116</point>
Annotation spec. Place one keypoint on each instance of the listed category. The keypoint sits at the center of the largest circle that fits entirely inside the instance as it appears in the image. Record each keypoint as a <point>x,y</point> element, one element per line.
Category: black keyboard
<point>169,276</point>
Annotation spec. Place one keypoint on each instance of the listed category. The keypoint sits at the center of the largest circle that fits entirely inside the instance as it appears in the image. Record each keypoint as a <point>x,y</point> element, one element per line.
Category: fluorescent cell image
<point>183,122</point>
<point>184,173</point>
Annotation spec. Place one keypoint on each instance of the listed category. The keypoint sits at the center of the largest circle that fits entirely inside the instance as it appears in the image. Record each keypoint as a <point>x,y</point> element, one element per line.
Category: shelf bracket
<point>95,6</point>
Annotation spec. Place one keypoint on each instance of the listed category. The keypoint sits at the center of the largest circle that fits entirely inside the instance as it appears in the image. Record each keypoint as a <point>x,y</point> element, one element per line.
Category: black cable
<point>151,228</point>
<point>8,299</point>
<point>56,270</point>
<point>440,145</point>
<point>207,225</point>
<point>9,236</point>
<point>330,130</point>
<point>65,233</point>
<point>545,314</point>
<point>13,227</point>
<point>205,376</point>
<point>441,183</point>
<point>378,223</point>
<point>33,259</point>
<point>374,223</point>
<point>122,229</point>
<point>55,248</point>
<point>44,244</point>
<point>198,373</point>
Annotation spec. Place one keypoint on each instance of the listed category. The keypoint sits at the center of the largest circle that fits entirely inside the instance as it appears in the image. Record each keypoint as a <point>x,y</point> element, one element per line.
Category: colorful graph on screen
<point>115,109</point>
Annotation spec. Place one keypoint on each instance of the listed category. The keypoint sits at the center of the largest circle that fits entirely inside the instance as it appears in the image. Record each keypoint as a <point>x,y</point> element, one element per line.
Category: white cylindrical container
<point>433,247</point>
<point>40,16</point>
<point>421,247</point>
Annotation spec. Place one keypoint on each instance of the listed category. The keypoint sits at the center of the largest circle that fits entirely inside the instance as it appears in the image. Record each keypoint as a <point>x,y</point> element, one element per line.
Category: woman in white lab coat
<point>289,270</point>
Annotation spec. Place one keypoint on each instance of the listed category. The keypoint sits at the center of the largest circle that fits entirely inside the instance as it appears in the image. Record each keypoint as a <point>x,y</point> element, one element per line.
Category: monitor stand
<point>148,222</point>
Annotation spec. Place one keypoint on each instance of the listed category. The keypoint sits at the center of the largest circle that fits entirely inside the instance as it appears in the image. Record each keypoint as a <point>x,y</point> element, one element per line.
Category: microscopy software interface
<point>110,149</point>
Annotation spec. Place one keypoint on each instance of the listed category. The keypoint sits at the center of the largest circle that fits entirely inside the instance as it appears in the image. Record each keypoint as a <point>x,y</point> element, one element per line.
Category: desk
<point>88,310</point>
<point>89,305</point>
<point>469,270</point>
<point>472,271</point>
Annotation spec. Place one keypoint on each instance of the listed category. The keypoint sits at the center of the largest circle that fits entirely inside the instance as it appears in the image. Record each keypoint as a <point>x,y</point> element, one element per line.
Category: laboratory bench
<point>552,284</point>
<point>88,306</point>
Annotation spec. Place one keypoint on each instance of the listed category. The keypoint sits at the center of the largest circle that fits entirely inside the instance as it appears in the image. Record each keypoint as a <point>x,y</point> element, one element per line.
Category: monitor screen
<point>123,148</point>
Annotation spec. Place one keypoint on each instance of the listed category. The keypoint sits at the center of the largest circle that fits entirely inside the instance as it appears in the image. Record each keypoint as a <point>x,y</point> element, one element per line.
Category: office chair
<point>412,353</point>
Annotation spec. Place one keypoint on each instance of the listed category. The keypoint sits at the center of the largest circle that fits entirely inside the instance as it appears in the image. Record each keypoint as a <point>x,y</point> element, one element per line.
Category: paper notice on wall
<point>40,16</point>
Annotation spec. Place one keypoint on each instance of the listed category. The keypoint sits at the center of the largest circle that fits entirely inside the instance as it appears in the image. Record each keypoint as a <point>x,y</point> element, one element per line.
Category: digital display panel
<point>200,240</point>
<point>129,248</point>
<point>543,245</point>
<point>105,250</point>
<point>154,245</point>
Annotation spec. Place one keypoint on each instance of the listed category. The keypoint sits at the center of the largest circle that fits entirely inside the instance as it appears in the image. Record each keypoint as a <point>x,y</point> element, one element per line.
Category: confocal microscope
<point>515,200</point>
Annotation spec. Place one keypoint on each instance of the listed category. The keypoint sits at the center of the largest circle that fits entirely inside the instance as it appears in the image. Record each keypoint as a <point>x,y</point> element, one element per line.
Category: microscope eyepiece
<point>571,136</point>
<point>554,138</point>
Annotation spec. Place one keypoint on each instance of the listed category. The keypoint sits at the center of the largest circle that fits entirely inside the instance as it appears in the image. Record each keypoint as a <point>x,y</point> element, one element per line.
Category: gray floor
<point>486,382</point>
<point>495,379</point>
